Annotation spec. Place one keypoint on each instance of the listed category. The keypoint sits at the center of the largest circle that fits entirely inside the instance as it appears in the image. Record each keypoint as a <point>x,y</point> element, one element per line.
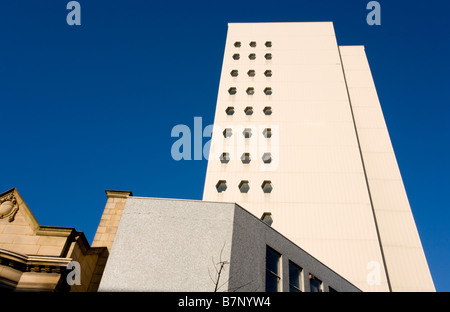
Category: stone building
<point>34,257</point>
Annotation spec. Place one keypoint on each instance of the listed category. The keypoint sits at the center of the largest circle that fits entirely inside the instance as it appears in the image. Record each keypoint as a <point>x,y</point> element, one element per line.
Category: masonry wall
<point>35,257</point>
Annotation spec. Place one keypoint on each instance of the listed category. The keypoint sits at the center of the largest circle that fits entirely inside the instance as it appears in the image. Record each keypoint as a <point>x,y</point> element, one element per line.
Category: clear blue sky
<point>91,107</point>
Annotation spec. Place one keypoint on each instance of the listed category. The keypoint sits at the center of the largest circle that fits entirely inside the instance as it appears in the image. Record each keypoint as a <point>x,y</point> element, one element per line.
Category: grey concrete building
<point>184,245</point>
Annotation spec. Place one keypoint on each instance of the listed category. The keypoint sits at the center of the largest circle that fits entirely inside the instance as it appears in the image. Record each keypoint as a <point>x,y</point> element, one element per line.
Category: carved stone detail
<point>8,207</point>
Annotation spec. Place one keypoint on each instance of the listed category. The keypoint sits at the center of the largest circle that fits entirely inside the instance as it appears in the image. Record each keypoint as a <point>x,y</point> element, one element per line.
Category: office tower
<point>299,132</point>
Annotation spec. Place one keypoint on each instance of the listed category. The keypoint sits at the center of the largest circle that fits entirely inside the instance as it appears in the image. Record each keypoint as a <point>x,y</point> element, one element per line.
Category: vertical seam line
<point>365,174</point>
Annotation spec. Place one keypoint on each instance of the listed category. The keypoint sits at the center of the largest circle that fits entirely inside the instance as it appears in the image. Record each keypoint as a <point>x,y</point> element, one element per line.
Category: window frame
<point>298,288</point>
<point>319,281</point>
<point>277,275</point>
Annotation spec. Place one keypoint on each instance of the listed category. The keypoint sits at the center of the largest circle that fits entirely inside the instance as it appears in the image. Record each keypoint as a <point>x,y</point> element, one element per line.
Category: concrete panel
<point>405,260</point>
<point>168,245</point>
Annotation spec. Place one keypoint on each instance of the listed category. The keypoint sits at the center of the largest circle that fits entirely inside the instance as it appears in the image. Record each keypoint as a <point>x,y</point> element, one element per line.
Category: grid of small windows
<point>252,73</point>
<point>244,185</point>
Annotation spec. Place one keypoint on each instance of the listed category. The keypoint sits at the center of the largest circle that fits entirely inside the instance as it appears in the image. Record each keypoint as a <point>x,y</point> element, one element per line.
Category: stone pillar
<point>109,222</point>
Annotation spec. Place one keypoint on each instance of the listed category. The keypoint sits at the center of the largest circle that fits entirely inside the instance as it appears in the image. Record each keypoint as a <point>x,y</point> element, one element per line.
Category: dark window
<point>251,73</point>
<point>224,158</point>
<point>250,91</point>
<point>268,73</point>
<point>229,110</point>
<point>267,186</point>
<point>315,284</point>
<point>227,132</point>
<point>244,186</point>
<point>268,56</point>
<point>236,56</point>
<point>267,110</point>
<point>234,73</point>
<point>268,44</point>
<point>267,133</point>
<point>272,270</point>
<point>245,158</point>
<point>267,158</point>
<point>294,277</point>
<point>268,91</point>
<point>247,133</point>
<point>221,186</point>
<point>248,110</point>
<point>253,44</point>
<point>252,56</point>
<point>232,90</point>
<point>237,44</point>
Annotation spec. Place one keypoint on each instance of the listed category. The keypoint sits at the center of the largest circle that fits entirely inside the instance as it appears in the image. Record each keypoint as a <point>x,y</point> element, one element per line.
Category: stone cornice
<point>32,263</point>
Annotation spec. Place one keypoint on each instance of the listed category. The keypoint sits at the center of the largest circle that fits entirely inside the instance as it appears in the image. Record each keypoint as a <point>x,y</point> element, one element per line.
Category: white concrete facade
<point>336,185</point>
<point>404,256</point>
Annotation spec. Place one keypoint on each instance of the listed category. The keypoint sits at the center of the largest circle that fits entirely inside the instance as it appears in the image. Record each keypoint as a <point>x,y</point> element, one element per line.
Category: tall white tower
<point>299,132</point>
